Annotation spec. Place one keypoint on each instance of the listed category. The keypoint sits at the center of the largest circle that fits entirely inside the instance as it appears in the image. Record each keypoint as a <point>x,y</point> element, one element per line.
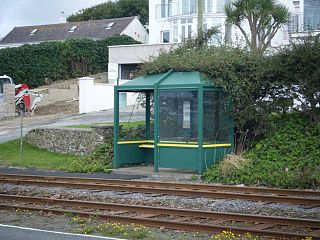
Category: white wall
<point>94,96</point>
<point>156,26</point>
<point>128,54</point>
<point>136,30</point>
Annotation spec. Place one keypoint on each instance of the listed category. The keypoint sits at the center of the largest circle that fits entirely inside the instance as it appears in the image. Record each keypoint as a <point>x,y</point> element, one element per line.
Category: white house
<point>174,20</point>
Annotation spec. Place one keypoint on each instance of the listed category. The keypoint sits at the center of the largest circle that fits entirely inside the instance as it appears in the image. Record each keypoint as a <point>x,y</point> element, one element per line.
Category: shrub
<point>32,64</point>
<point>100,160</point>
<point>288,157</point>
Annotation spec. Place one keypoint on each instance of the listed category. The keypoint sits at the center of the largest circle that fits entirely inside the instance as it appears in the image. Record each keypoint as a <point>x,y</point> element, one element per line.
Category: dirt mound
<point>60,107</point>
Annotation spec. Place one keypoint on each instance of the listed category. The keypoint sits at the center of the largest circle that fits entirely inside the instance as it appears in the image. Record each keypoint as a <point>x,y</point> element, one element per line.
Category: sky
<point>14,13</point>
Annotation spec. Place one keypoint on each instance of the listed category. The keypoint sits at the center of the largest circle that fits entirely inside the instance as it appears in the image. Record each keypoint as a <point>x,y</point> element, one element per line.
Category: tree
<point>121,8</point>
<point>264,17</point>
<point>298,66</point>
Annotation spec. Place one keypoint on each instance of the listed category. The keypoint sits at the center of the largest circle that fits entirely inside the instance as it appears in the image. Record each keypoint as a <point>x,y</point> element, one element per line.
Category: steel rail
<point>168,191</point>
<point>208,187</point>
<point>173,224</point>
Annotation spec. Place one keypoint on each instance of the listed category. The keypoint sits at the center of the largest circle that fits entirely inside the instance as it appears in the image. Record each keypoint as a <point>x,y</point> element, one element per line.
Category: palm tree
<point>264,17</point>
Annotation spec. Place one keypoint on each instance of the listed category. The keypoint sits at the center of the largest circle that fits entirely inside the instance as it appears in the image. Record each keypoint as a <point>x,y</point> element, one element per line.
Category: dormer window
<point>109,26</point>
<point>72,29</point>
<point>33,31</point>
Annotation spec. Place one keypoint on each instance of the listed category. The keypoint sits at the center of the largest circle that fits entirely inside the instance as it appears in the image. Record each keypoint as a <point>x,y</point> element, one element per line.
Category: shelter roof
<point>169,80</point>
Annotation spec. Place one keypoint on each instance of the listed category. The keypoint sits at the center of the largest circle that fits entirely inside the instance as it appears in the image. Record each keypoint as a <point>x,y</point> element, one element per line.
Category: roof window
<point>33,31</point>
<point>109,26</point>
<point>72,29</point>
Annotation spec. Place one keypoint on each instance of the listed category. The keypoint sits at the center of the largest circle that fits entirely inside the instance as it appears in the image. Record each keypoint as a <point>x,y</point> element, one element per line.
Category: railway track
<point>181,219</point>
<point>305,197</point>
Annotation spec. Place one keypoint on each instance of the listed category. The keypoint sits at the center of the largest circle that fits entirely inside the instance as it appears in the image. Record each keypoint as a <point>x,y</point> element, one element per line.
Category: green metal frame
<point>197,156</point>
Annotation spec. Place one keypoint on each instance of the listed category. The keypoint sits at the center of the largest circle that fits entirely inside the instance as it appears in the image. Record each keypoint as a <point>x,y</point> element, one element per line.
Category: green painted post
<point>156,130</point>
<point>200,129</point>
<point>156,120</point>
<point>231,129</point>
<point>116,128</point>
<point>148,115</point>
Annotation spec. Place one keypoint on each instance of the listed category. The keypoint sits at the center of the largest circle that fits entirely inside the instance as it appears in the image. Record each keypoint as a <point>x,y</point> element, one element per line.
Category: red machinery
<point>24,102</point>
<point>22,95</point>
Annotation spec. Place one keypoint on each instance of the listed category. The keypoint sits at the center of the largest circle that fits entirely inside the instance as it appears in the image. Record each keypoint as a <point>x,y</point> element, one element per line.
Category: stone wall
<point>70,140</point>
<point>7,101</point>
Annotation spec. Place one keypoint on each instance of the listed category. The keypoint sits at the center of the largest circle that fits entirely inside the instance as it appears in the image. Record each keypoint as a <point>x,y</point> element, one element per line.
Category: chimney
<point>63,17</point>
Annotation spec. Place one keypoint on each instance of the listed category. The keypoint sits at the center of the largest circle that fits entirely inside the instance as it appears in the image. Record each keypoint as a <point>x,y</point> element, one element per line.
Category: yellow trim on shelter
<point>217,145</point>
<point>177,145</point>
<point>146,146</point>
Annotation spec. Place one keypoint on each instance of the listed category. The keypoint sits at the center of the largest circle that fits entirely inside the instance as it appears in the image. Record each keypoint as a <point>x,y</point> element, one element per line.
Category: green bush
<point>32,64</point>
<point>100,160</point>
<point>289,157</point>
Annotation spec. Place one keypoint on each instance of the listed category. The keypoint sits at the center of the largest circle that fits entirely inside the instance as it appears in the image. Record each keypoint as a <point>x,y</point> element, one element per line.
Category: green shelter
<point>187,122</point>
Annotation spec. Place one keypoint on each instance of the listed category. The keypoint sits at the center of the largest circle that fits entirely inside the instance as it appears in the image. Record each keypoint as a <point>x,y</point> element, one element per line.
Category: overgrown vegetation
<point>100,160</point>
<point>114,9</point>
<point>269,92</point>
<point>288,157</point>
<point>259,85</point>
<point>32,64</point>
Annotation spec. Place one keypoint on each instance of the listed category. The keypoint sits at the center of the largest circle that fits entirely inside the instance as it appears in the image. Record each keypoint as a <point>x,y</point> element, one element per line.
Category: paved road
<point>8,232</point>
<point>11,129</point>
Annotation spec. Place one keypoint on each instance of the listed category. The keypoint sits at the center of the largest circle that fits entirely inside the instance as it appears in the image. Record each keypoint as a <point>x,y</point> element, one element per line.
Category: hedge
<point>32,64</point>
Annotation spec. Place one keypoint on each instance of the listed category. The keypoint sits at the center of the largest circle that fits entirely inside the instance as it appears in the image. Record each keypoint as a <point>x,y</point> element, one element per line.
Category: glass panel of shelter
<point>216,117</point>
<point>132,117</point>
<point>178,116</point>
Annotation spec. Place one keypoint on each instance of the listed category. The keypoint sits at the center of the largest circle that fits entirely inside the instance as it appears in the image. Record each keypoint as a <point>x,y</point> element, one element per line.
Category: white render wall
<point>94,96</point>
<point>136,30</point>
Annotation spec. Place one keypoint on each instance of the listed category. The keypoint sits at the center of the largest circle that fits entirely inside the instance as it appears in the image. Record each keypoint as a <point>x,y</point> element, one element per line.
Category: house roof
<point>87,29</point>
<point>169,80</point>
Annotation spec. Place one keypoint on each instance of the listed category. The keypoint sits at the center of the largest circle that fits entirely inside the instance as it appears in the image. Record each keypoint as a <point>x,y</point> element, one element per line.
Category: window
<point>204,27</point>
<point>208,5</point>
<point>3,81</point>
<point>311,15</point>
<point>127,71</point>
<point>72,29</point>
<point>189,31</point>
<point>109,26</point>
<point>165,8</point>
<point>33,31</point>
<point>220,6</point>
<point>165,36</point>
<point>183,32</point>
<point>189,6</point>
<point>178,116</point>
<point>216,117</point>
<point>175,33</point>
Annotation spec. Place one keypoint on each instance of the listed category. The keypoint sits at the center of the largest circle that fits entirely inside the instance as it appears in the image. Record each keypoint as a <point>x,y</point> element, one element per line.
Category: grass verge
<point>134,231</point>
<point>32,157</point>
